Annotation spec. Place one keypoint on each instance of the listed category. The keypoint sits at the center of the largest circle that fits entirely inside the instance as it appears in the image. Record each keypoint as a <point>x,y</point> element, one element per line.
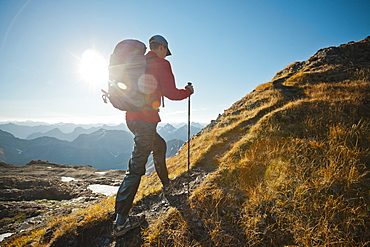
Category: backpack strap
<point>160,86</point>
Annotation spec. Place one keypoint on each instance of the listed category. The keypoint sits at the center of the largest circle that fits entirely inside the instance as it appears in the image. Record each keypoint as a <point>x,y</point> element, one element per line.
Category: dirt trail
<point>153,206</point>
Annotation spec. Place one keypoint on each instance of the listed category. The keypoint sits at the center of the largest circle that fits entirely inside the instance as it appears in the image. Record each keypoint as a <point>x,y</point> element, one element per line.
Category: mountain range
<point>70,131</point>
<point>107,147</point>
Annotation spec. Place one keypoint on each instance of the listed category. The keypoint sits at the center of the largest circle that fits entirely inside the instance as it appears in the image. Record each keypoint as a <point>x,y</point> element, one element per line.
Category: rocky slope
<point>33,193</point>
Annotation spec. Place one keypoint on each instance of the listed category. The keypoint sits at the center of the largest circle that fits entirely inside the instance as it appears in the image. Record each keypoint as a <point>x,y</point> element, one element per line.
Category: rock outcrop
<point>32,193</point>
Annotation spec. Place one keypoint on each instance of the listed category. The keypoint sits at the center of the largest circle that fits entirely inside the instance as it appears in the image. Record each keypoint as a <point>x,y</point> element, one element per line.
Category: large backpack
<point>126,71</point>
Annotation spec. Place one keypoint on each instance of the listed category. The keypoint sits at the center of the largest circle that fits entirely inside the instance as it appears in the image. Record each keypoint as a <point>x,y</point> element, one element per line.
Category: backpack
<point>126,68</point>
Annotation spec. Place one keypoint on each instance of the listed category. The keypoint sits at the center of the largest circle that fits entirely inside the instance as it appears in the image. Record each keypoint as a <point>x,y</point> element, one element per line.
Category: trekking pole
<point>189,84</point>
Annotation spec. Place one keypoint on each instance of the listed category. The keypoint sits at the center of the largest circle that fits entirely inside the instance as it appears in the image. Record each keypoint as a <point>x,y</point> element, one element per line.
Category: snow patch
<point>19,151</point>
<point>5,235</point>
<point>101,173</point>
<point>107,190</point>
<point>68,179</point>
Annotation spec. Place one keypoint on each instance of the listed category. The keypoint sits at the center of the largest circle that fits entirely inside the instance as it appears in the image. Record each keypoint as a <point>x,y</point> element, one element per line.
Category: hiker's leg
<point>143,142</point>
<point>159,158</point>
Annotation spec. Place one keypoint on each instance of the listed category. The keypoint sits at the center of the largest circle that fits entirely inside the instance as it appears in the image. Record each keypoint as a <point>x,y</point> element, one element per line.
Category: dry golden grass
<point>305,192</point>
<point>298,78</point>
<point>305,171</point>
<point>169,230</point>
<point>264,86</point>
<point>27,240</point>
<point>65,225</point>
<point>298,176</point>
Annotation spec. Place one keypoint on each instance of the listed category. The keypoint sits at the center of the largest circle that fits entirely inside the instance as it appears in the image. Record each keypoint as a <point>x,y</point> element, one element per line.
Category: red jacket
<point>162,83</point>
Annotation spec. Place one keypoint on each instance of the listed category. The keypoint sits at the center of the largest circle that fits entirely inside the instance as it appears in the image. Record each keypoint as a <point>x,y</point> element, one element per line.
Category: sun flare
<point>93,68</point>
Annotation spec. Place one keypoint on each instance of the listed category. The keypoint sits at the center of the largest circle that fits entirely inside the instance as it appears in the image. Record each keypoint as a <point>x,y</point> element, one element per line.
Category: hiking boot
<point>169,188</point>
<point>132,222</point>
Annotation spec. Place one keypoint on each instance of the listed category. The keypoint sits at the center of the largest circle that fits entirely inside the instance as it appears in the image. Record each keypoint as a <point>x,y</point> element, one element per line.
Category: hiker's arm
<point>168,86</point>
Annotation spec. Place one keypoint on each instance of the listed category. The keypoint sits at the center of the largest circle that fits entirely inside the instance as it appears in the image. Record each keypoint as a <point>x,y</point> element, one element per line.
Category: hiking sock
<point>120,220</point>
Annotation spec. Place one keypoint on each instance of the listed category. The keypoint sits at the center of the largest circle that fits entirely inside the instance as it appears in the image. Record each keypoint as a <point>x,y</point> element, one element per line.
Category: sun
<point>93,68</point>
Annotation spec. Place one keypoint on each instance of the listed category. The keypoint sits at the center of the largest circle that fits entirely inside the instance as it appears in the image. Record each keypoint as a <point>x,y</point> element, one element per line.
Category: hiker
<point>146,139</point>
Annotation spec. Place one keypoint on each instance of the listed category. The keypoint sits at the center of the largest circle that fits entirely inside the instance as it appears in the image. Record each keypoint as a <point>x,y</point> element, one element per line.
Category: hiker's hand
<point>190,88</point>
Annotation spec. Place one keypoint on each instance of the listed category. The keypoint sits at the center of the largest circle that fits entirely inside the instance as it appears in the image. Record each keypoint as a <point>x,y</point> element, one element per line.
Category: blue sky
<point>225,48</point>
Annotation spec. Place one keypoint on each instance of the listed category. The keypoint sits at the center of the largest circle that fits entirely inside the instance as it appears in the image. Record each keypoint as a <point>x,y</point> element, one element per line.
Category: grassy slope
<point>292,161</point>
<point>288,165</point>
